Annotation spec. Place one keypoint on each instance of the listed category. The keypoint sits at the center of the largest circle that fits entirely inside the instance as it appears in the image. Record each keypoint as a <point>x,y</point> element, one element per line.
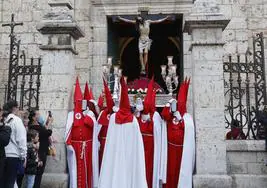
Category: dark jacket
<point>32,161</point>
<point>5,133</point>
<point>44,134</point>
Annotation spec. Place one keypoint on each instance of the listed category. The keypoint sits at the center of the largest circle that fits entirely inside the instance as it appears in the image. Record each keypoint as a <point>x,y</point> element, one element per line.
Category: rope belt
<point>82,156</point>
<point>176,145</point>
<point>103,138</point>
<point>144,134</point>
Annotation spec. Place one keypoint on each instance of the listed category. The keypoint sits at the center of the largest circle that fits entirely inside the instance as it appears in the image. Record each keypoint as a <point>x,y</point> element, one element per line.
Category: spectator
<point>16,150</point>
<point>44,135</point>
<point>5,133</point>
<point>236,132</point>
<point>32,158</point>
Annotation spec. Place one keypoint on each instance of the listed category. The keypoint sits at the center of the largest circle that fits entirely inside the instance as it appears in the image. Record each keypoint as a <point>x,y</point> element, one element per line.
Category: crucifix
<point>13,59</point>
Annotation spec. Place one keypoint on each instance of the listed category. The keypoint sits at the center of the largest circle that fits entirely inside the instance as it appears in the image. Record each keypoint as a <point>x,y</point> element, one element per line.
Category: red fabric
<point>102,139</point>
<point>166,114</point>
<point>148,98</point>
<point>182,97</point>
<point>235,134</point>
<point>143,84</point>
<point>91,94</point>
<point>124,114</point>
<point>146,129</point>
<point>104,118</point>
<point>86,95</point>
<point>100,102</point>
<point>83,134</point>
<point>175,136</point>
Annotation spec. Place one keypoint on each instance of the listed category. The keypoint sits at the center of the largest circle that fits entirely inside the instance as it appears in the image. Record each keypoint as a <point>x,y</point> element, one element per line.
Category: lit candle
<point>163,69</point>
<point>110,60</point>
<point>116,69</point>
<point>169,60</point>
<point>120,72</point>
<point>174,69</point>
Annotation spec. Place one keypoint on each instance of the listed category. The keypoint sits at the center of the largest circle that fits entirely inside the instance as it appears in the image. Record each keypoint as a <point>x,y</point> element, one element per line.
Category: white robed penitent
<point>123,164</point>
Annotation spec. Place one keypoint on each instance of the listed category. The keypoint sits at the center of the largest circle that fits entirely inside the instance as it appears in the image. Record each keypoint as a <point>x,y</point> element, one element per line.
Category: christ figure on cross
<point>143,27</point>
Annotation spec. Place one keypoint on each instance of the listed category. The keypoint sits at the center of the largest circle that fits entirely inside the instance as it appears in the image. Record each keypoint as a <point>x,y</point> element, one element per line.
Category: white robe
<point>157,149</point>
<point>188,155</point>
<point>71,157</point>
<point>123,164</point>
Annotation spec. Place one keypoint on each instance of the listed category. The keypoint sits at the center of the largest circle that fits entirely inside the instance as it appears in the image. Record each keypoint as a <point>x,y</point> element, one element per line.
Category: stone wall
<point>247,163</point>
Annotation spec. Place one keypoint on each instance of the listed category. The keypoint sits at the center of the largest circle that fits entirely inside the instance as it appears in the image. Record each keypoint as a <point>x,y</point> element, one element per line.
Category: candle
<point>173,69</point>
<point>110,60</point>
<point>169,60</point>
<point>120,72</point>
<point>116,69</point>
<point>163,69</point>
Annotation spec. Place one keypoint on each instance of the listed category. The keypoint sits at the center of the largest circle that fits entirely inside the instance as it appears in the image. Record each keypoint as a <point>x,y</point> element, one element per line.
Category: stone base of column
<point>212,181</point>
<point>55,180</point>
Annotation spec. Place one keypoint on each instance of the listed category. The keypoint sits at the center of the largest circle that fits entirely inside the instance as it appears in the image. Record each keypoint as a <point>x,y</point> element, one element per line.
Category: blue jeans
<point>28,180</point>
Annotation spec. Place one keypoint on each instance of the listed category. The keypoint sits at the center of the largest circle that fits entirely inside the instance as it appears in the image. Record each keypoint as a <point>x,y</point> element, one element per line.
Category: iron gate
<point>245,90</point>
<point>23,76</point>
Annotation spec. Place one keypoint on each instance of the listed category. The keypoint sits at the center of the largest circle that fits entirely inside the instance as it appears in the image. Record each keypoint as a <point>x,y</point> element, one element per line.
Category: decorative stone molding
<point>59,29</point>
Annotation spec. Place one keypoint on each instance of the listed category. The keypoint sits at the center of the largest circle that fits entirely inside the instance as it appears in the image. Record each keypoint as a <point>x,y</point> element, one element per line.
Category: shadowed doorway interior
<point>167,41</point>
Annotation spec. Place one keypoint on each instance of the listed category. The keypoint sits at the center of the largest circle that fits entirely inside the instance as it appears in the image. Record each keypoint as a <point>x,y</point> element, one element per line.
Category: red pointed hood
<point>182,97</point>
<point>78,97</point>
<point>153,103</point>
<point>86,95</point>
<point>91,94</point>
<point>148,98</point>
<point>100,102</point>
<point>109,100</point>
<point>124,114</point>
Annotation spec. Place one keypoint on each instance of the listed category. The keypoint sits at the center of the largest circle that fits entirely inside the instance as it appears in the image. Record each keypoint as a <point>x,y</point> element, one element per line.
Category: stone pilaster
<point>60,32</point>
<point>206,24</point>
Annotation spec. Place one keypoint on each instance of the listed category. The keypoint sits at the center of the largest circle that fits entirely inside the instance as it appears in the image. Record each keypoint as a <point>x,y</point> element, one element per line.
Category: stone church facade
<point>72,39</point>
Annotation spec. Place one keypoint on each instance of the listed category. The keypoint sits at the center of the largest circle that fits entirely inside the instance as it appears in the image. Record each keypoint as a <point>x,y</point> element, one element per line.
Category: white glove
<point>139,107</point>
<point>177,115</point>
<point>85,112</point>
<point>145,117</point>
<point>115,109</point>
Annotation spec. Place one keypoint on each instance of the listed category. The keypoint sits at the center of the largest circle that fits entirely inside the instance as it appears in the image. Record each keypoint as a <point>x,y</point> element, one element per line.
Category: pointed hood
<point>91,94</point>
<point>153,101</point>
<point>124,114</point>
<point>109,100</point>
<point>182,97</point>
<point>86,95</point>
<point>78,97</point>
<point>100,102</point>
<point>148,98</point>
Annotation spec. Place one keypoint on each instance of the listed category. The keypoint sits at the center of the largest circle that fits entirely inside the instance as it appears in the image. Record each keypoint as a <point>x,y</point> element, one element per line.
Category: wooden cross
<point>12,24</point>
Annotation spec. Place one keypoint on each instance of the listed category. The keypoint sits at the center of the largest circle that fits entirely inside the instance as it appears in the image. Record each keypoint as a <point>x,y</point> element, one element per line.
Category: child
<point>32,158</point>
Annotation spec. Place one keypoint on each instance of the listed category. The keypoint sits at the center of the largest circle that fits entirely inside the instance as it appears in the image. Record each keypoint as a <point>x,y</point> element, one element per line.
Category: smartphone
<point>49,114</point>
<point>84,104</point>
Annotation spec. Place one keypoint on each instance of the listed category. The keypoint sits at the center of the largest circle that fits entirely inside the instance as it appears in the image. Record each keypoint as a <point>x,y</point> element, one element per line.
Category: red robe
<point>175,132</point>
<point>146,129</point>
<point>104,121</point>
<point>81,139</point>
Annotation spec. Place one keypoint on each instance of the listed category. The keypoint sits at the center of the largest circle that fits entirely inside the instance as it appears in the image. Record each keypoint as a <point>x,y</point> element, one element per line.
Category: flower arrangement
<point>141,91</point>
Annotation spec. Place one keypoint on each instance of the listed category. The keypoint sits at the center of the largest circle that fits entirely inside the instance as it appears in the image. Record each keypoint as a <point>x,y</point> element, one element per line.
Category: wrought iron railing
<point>245,91</point>
<point>23,78</point>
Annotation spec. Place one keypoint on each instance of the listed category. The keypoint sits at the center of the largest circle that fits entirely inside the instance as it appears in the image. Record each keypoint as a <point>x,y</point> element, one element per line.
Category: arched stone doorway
<point>167,41</point>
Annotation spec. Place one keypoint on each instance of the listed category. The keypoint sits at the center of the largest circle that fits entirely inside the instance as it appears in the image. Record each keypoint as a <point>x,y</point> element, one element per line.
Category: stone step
<point>54,180</point>
<point>249,181</point>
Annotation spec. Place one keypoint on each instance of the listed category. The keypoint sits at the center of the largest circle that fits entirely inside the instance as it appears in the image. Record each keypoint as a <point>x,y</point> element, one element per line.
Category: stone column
<point>206,24</point>
<point>60,32</point>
